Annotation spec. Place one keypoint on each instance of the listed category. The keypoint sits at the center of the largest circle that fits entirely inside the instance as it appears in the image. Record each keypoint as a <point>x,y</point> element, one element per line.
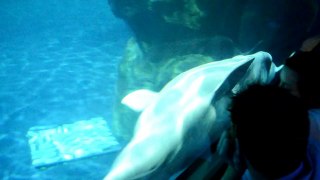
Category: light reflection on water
<point>55,75</point>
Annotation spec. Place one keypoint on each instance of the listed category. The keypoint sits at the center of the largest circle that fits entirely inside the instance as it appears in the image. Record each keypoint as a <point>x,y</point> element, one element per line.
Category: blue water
<point>58,64</point>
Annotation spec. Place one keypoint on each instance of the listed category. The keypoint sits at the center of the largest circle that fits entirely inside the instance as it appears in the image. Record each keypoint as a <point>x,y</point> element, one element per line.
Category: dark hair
<point>307,66</point>
<point>272,127</point>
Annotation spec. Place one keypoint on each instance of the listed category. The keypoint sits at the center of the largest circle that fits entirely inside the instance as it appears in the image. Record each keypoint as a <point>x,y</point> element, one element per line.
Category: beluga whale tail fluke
<point>175,125</point>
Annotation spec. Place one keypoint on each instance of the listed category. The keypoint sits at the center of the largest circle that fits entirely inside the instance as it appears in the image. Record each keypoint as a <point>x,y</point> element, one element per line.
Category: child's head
<point>272,127</point>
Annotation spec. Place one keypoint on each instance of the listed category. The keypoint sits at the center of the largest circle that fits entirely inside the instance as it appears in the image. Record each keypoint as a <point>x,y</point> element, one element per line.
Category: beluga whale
<point>176,124</point>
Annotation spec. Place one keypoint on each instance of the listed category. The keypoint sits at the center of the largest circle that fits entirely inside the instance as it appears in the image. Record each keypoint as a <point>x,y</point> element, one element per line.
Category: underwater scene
<point>122,89</point>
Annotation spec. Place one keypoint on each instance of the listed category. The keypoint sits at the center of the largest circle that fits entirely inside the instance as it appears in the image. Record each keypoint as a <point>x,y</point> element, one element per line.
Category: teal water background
<point>58,64</point>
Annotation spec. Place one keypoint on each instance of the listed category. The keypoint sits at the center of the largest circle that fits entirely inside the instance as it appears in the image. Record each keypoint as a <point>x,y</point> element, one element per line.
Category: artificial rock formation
<point>172,36</point>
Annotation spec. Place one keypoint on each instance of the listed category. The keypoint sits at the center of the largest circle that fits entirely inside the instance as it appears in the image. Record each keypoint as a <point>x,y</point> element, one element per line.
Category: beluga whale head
<point>174,125</point>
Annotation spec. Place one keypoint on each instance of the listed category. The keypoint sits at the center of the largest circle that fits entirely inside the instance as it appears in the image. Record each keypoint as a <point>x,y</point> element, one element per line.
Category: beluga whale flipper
<point>174,127</point>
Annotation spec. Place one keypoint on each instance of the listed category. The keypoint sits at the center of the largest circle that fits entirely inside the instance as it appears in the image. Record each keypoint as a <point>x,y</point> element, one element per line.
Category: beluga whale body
<point>174,125</point>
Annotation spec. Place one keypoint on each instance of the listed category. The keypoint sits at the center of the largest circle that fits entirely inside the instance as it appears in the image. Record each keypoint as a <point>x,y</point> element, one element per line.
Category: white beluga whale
<point>174,125</point>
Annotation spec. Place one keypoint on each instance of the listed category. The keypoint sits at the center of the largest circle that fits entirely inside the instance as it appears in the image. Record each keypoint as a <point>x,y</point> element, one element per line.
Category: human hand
<point>228,149</point>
